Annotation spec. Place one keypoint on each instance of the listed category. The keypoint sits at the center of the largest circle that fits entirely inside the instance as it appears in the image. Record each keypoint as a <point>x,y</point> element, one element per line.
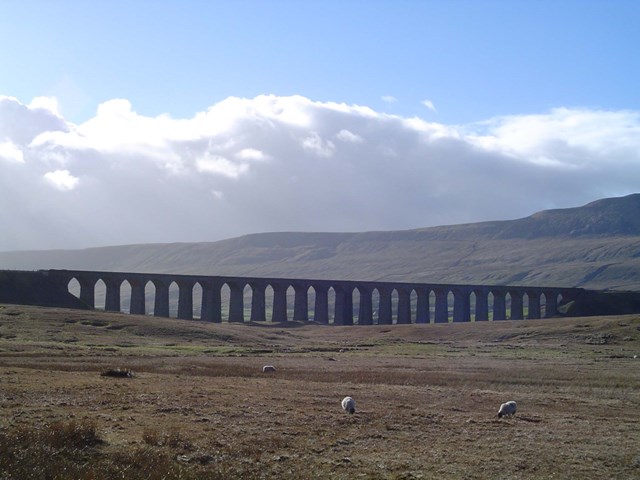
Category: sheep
<point>507,409</point>
<point>268,368</point>
<point>349,405</point>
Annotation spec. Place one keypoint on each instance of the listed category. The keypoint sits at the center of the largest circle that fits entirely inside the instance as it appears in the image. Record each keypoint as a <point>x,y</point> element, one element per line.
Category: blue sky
<point>472,59</point>
<point>488,99</point>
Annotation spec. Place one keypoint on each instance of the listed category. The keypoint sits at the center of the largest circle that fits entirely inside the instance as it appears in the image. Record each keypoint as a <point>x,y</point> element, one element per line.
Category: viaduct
<point>340,302</point>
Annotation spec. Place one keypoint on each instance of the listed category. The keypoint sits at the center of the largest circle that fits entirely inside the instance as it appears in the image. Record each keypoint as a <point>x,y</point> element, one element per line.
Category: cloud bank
<point>292,164</point>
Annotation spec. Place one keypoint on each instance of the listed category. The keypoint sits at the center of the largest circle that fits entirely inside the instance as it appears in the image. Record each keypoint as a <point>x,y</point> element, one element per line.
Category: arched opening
<point>472,306</point>
<point>174,293</point>
<point>507,303</point>
<point>543,305</point>
<point>413,306</point>
<point>290,297</point>
<point>125,297</point>
<point>196,293</point>
<point>561,304</point>
<point>331,295</point>
<point>100,294</point>
<point>268,302</point>
<point>311,296</point>
<point>394,306</point>
<point>247,295</point>
<point>73,287</point>
<point>356,298</point>
<point>149,297</point>
<point>225,294</point>
<point>451,298</point>
<point>375,302</point>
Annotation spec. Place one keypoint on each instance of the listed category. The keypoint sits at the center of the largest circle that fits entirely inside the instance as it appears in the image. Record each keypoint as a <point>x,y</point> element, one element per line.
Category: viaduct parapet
<point>341,302</point>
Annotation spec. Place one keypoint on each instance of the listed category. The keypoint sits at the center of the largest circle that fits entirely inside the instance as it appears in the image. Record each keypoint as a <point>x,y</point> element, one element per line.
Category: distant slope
<point>609,217</point>
<point>594,246</point>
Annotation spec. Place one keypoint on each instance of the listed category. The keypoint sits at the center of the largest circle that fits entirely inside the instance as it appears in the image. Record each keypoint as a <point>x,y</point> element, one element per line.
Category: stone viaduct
<point>341,302</point>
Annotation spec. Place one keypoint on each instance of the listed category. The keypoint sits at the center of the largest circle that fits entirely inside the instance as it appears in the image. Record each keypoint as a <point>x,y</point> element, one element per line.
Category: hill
<point>594,246</point>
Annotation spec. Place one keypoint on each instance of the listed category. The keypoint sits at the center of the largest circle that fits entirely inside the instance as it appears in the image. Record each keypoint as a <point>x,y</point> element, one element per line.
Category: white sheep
<point>268,368</point>
<point>349,405</point>
<point>507,409</point>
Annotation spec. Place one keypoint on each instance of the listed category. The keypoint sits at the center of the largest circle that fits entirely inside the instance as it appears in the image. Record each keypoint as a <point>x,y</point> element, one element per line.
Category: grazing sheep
<point>349,405</point>
<point>507,409</point>
<point>268,368</point>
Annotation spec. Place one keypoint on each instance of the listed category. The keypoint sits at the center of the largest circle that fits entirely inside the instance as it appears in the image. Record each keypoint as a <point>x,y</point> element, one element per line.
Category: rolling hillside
<point>594,246</point>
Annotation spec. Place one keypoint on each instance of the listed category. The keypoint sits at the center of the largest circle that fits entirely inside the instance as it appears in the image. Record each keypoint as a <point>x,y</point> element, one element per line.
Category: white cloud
<point>45,103</point>
<point>219,165</point>
<point>389,99</point>
<point>10,152</point>
<point>116,128</point>
<point>349,137</point>
<point>315,144</point>
<point>251,154</point>
<point>429,105</point>
<point>61,180</point>
<point>21,123</point>
<point>564,137</point>
<point>289,164</point>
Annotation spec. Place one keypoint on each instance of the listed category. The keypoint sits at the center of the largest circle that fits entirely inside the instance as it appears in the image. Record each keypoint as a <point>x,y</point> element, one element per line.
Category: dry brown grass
<point>199,405</point>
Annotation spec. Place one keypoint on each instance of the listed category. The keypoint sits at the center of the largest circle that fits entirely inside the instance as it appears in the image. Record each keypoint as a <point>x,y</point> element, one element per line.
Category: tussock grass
<point>55,450</point>
<point>73,450</point>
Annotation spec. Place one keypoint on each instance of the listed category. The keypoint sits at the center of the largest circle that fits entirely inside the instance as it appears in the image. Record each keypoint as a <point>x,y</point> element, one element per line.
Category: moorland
<point>194,403</point>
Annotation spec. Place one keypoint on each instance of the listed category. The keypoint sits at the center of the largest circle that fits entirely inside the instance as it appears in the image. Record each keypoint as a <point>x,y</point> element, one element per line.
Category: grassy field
<point>199,406</point>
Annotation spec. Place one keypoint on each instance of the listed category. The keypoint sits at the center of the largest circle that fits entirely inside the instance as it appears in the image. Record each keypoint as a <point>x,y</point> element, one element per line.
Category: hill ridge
<point>593,246</point>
